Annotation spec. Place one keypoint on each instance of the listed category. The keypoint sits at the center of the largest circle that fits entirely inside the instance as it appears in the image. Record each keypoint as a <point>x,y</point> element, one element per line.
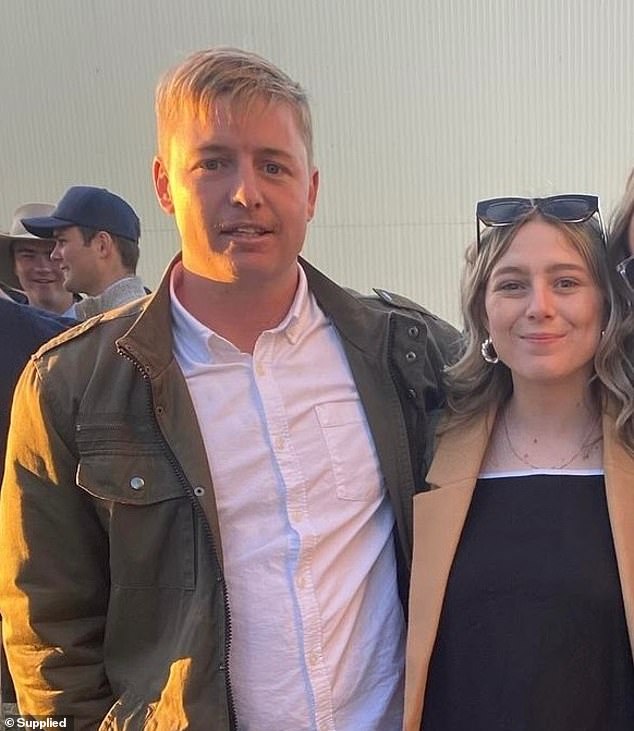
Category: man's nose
<point>55,254</point>
<point>246,189</point>
<point>43,261</point>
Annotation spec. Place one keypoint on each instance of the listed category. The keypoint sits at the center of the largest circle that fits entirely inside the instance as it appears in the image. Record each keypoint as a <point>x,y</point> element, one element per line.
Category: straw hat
<point>15,233</point>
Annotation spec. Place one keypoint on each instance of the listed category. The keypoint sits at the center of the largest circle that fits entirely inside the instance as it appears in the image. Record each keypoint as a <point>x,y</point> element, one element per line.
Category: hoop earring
<point>488,351</point>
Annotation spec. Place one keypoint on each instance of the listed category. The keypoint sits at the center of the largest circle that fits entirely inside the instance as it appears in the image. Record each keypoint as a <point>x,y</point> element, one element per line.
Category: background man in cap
<point>25,263</point>
<point>97,247</point>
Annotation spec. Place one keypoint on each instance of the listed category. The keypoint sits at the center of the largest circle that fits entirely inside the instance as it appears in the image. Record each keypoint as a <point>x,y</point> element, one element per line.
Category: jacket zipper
<point>180,476</point>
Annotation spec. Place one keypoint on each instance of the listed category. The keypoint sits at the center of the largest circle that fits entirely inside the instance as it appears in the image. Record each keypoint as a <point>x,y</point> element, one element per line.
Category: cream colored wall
<point>421,107</point>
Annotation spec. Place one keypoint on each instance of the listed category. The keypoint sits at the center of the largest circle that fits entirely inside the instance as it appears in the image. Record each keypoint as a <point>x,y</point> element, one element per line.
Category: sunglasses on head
<point>569,208</point>
<point>626,270</point>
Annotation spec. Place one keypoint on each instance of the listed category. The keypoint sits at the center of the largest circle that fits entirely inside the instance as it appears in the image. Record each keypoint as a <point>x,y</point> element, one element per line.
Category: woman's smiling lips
<point>542,337</point>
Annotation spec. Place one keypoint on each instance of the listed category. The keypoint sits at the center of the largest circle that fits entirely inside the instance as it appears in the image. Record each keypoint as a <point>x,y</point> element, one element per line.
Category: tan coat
<point>439,517</point>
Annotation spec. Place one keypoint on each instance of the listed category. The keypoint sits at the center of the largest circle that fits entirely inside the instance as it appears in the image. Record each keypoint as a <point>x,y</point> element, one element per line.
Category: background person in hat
<point>25,263</point>
<point>97,247</point>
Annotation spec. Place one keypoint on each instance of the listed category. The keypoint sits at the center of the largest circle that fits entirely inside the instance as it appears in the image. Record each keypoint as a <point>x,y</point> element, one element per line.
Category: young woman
<point>522,596</point>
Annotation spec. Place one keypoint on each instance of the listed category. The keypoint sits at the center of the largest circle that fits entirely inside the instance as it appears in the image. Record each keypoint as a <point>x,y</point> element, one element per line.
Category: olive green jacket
<point>111,580</point>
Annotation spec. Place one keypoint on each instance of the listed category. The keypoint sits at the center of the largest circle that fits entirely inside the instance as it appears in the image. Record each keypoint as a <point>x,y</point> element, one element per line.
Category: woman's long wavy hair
<point>473,385</point>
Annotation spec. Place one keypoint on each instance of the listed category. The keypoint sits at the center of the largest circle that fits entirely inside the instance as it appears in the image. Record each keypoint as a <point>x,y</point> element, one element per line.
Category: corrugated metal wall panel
<point>421,107</point>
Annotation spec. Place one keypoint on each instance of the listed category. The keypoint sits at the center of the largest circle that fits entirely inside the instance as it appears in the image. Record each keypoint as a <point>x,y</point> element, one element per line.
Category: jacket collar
<point>439,517</point>
<point>458,457</point>
<point>149,340</point>
<point>362,326</point>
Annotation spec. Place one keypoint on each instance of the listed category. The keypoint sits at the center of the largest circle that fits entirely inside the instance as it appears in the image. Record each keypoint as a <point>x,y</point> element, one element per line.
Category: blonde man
<point>230,463</point>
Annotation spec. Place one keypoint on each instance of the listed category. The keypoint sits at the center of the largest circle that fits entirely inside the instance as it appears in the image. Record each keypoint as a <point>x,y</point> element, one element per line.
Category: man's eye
<point>273,168</point>
<point>210,164</point>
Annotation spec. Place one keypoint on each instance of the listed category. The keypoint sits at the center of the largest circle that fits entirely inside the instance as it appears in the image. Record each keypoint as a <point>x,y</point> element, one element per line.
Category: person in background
<point>621,236</point>
<point>97,247</point>
<point>522,592</point>
<point>208,498</point>
<point>22,330</point>
<point>25,264</point>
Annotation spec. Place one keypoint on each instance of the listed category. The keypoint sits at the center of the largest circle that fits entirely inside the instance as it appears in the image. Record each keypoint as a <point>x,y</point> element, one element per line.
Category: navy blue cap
<point>83,205</point>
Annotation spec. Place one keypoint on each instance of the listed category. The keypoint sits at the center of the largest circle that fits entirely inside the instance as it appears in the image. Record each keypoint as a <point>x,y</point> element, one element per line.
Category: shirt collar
<point>199,342</point>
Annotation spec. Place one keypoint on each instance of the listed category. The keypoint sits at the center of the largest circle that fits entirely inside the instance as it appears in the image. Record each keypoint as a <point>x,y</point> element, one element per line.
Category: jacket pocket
<point>147,514</point>
<point>350,445</point>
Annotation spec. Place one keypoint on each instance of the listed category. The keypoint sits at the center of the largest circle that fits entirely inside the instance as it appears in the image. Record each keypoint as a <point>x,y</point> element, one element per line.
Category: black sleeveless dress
<point>532,634</point>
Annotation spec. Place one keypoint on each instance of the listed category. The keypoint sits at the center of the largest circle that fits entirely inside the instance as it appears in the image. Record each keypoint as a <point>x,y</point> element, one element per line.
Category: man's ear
<point>103,244</point>
<point>162,185</point>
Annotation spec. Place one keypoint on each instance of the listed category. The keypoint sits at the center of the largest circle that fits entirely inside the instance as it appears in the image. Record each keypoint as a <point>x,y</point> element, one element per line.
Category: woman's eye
<point>509,286</point>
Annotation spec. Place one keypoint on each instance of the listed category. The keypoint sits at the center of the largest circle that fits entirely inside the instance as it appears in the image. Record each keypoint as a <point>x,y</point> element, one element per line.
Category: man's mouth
<point>244,229</point>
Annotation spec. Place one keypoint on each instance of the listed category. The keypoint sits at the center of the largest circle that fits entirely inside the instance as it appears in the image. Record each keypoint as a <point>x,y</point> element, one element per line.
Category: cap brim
<point>44,227</point>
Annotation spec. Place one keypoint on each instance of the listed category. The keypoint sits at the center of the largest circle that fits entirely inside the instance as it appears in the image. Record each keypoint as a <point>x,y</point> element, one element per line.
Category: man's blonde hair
<point>193,87</point>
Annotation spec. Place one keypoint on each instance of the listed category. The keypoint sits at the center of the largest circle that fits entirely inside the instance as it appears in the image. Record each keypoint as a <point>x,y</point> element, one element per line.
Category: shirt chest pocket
<point>351,449</point>
<point>147,513</point>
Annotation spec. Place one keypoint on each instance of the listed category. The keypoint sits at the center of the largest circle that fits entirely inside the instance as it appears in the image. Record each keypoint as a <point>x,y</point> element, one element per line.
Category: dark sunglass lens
<point>569,208</point>
<point>497,212</point>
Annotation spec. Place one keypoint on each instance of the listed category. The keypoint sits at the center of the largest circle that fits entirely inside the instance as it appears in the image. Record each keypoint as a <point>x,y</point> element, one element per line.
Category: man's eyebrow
<point>274,152</point>
<point>212,149</point>
<point>216,148</point>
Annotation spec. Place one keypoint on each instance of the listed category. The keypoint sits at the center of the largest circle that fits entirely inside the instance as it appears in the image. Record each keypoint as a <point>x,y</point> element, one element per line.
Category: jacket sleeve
<point>54,565</point>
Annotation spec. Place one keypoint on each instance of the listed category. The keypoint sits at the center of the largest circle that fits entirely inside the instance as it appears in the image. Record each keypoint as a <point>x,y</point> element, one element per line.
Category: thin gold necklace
<point>566,462</point>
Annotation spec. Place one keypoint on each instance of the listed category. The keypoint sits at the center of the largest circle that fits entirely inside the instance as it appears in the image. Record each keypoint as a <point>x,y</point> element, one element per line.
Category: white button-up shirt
<point>305,524</point>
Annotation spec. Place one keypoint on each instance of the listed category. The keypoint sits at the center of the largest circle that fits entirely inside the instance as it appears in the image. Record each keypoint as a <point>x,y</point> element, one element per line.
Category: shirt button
<point>296,516</point>
<point>260,369</point>
<point>413,331</point>
<point>136,483</point>
<point>410,357</point>
<point>279,443</point>
<point>312,658</point>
